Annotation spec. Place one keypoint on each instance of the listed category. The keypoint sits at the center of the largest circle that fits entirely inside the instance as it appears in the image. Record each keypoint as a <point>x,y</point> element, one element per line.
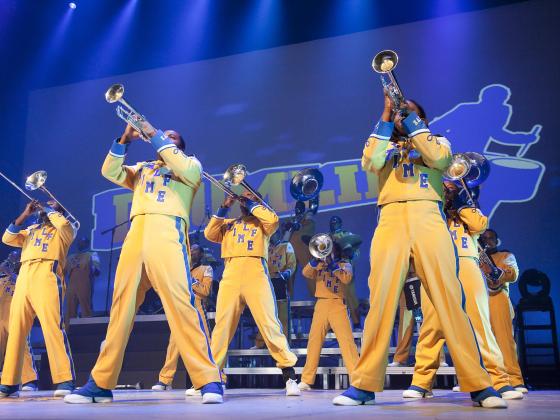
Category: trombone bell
<point>321,246</point>
<point>36,180</point>
<point>235,174</point>
<point>114,93</point>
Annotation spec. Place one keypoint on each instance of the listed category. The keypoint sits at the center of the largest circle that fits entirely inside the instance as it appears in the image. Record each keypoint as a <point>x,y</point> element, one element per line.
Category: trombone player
<point>39,292</point>
<point>163,191</point>
<point>246,281</point>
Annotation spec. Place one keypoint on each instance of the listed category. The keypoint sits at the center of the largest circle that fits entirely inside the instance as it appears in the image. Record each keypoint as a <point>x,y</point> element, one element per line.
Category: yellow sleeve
<point>374,155</point>
<point>187,168</point>
<point>204,287</point>
<point>215,229</point>
<point>343,272</point>
<point>291,261</point>
<point>475,221</point>
<point>268,218</point>
<point>309,271</point>
<point>62,225</point>
<point>15,236</point>
<point>435,151</point>
<point>114,169</point>
<point>511,270</point>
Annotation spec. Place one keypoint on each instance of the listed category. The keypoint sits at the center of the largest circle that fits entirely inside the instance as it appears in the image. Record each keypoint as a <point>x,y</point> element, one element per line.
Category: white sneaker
<point>491,402</point>
<point>211,398</point>
<point>395,364</point>
<point>444,364</point>
<point>160,386</point>
<point>82,399</point>
<point>512,395</point>
<point>304,387</point>
<point>191,392</point>
<point>456,388</point>
<point>413,393</point>
<point>28,388</point>
<point>292,389</point>
<point>521,389</point>
<point>61,393</point>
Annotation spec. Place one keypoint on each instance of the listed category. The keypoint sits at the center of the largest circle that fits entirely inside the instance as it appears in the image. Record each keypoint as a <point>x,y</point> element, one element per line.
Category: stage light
<point>72,5</point>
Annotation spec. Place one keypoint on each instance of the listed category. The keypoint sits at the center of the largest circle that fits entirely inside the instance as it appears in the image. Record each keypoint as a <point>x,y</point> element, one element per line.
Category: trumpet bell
<point>36,180</point>
<point>235,174</point>
<point>385,61</point>
<point>306,184</point>
<point>321,245</point>
<point>114,93</point>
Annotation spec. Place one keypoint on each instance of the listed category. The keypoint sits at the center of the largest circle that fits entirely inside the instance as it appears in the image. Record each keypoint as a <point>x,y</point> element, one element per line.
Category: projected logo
<point>471,126</point>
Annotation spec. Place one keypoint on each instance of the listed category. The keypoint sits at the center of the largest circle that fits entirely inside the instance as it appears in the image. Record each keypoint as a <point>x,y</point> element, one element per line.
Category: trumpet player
<point>501,309</point>
<point>409,162</point>
<point>246,282</point>
<point>331,275</point>
<point>39,292</point>
<point>466,222</point>
<point>163,191</point>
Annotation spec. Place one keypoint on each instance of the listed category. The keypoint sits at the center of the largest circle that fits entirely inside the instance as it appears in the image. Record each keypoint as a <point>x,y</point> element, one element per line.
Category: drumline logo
<point>470,126</point>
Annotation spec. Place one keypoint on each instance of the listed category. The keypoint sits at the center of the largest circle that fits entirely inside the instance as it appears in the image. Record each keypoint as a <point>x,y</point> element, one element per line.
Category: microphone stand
<point>109,274</point>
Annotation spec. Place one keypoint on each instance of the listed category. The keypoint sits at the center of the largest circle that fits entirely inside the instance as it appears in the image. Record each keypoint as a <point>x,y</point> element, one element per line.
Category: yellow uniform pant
<point>331,313</point>
<point>417,229</point>
<point>39,292</point>
<point>246,282</point>
<point>78,293</point>
<point>501,318</point>
<point>282,306</point>
<point>431,338</point>
<point>157,244</point>
<point>29,372</point>
<point>169,368</point>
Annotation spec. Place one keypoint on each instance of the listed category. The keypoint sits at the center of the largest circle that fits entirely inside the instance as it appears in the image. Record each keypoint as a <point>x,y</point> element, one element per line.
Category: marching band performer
<point>466,222</point>
<point>281,267</point>
<point>163,191</point>
<point>8,273</point>
<point>332,275</point>
<point>202,286</point>
<point>246,281</point>
<point>501,309</point>
<point>411,222</point>
<point>39,292</point>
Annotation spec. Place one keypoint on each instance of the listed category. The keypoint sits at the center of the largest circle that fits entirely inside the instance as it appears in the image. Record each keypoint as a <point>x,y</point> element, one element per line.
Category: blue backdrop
<point>485,82</point>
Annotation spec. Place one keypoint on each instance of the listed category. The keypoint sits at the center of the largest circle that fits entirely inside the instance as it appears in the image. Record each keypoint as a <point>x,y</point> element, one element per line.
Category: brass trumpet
<point>127,112</point>
<point>384,63</point>
<point>321,245</point>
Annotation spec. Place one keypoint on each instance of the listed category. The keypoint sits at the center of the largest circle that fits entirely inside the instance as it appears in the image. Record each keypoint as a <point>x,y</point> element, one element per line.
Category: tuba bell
<point>321,245</point>
<point>469,169</point>
<point>306,184</point>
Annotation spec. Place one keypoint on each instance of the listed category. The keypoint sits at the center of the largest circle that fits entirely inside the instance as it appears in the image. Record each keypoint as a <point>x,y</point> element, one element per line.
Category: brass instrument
<point>306,184</point>
<point>470,169</point>
<point>127,112</point>
<point>321,245</point>
<point>385,63</point>
<point>236,174</point>
<point>495,273</point>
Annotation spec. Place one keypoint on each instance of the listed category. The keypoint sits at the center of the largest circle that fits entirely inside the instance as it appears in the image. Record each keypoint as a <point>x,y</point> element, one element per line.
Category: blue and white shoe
<point>414,391</point>
<point>509,393</point>
<point>64,388</point>
<point>355,396</point>
<point>30,386</point>
<point>89,393</point>
<point>488,398</point>
<point>160,386</point>
<point>212,393</point>
<point>9,391</point>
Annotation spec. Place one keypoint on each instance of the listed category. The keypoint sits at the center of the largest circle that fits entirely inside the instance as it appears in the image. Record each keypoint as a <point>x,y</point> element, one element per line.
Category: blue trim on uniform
<point>33,366</point>
<point>117,149</point>
<point>383,130</point>
<point>14,229</point>
<point>61,323</point>
<point>413,125</point>
<point>49,210</point>
<point>265,267</point>
<point>478,396</point>
<point>160,141</point>
<point>222,212</point>
<point>418,388</point>
<point>178,226</point>
<point>252,205</point>
<point>313,262</point>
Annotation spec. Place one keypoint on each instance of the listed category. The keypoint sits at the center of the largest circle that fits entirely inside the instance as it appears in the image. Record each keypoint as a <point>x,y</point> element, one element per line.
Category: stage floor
<point>272,404</point>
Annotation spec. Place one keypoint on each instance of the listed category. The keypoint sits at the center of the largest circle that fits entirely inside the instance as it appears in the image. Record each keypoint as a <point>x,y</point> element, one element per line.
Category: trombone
<point>127,112</point>
<point>384,63</point>
<point>321,246</point>
<point>36,181</point>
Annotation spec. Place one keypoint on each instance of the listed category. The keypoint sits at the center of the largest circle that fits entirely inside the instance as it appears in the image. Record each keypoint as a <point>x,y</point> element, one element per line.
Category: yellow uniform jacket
<point>160,187</point>
<point>408,170</point>
<point>465,229</point>
<point>82,265</point>
<point>281,258</point>
<point>202,281</point>
<point>330,280</point>
<point>246,236</point>
<point>46,241</point>
<point>507,262</point>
